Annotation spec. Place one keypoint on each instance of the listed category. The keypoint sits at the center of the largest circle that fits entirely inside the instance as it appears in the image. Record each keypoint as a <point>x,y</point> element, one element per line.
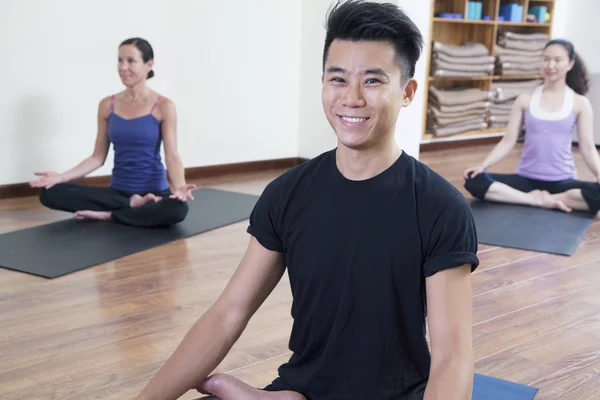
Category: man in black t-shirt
<point>373,242</point>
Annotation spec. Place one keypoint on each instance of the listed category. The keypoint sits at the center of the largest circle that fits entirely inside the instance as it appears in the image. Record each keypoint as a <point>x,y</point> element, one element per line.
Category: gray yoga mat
<point>529,228</point>
<point>63,247</point>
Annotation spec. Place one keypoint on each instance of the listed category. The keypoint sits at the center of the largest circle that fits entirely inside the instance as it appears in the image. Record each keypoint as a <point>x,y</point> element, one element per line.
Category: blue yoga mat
<point>488,388</point>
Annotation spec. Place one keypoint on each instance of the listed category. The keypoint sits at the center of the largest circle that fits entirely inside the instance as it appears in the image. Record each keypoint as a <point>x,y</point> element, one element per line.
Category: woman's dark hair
<point>145,48</point>
<point>359,20</point>
<point>577,77</point>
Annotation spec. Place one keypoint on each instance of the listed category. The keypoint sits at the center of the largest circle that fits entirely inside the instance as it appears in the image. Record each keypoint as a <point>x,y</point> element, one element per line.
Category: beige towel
<point>520,84</point>
<point>519,72</point>
<point>528,45</point>
<point>519,59</point>
<point>458,74</point>
<point>483,69</point>
<point>498,125</point>
<point>459,96</point>
<point>438,121</point>
<point>459,129</point>
<point>460,60</point>
<point>502,51</point>
<point>461,108</point>
<point>499,118</point>
<point>466,50</point>
<point>525,36</point>
<point>520,66</point>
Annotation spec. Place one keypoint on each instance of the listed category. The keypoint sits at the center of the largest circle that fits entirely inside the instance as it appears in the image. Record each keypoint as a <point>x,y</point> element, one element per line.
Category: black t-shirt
<point>357,254</point>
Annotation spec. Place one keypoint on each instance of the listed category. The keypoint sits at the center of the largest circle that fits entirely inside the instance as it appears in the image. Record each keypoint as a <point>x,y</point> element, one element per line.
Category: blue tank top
<point>138,168</point>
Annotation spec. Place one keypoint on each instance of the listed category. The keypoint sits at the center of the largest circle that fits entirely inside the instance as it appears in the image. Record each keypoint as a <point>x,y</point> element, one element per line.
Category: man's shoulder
<point>433,191</point>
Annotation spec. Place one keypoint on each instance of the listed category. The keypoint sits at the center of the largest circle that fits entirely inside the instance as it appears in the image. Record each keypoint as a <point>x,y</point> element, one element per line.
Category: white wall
<point>232,71</point>
<point>579,29</point>
<point>246,77</point>
<point>315,134</point>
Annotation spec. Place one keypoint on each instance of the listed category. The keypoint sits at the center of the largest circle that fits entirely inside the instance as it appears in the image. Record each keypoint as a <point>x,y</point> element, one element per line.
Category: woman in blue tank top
<point>546,175</point>
<point>136,122</point>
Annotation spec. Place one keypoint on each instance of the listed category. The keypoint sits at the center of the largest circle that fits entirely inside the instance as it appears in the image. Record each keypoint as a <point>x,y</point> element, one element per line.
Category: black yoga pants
<point>72,197</point>
<point>479,186</point>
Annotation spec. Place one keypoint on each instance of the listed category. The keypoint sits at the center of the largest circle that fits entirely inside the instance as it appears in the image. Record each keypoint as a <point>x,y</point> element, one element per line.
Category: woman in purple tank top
<point>546,175</point>
<point>136,122</point>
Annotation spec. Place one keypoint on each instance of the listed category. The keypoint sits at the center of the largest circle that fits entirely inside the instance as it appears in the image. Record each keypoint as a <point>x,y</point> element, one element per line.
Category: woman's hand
<point>184,193</point>
<point>47,180</point>
<point>472,172</point>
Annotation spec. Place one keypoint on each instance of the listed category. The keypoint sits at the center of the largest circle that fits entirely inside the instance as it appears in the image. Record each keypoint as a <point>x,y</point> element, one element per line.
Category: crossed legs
<point>566,195</point>
<point>101,203</point>
<point>226,387</point>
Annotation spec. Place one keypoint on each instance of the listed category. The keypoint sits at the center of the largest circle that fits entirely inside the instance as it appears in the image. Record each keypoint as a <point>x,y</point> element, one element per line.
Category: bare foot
<point>92,215</point>
<point>226,387</point>
<point>544,199</point>
<point>137,201</point>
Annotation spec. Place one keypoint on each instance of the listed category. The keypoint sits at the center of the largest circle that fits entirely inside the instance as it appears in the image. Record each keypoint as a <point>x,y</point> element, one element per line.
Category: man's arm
<point>449,317</point>
<point>212,337</point>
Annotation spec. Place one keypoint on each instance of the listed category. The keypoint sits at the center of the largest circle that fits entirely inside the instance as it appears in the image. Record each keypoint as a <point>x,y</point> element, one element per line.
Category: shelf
<point>524,24</point>
<point>456,32</point>
<point>482,22</point>
<point>463,21</point>
<point>484,133</point>
<point>485,78</point>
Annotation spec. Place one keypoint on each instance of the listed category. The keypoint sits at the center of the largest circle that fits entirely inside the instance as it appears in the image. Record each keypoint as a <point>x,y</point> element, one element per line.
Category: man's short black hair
<point>360,20</point>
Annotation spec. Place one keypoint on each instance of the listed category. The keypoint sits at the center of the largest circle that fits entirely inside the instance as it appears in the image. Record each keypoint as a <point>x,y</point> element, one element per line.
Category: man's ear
<point>410,90</point>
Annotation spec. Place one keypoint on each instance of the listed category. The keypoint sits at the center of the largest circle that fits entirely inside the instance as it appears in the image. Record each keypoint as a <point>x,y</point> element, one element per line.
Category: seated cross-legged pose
<point>377,246</point>
<point>546,175</point>
<point>135,121</point>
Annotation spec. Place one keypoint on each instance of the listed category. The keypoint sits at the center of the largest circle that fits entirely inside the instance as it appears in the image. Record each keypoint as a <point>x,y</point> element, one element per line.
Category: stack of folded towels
<point>505,94</point>
<point>453,111</point>
<point>520,53</point>
<point>468,60</point>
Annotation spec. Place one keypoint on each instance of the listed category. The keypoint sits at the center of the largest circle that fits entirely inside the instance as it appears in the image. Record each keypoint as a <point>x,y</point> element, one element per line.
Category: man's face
<point>363,92</point>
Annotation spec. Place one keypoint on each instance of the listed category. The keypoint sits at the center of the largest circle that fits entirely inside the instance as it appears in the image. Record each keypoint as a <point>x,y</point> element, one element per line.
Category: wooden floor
<point>105,331</point>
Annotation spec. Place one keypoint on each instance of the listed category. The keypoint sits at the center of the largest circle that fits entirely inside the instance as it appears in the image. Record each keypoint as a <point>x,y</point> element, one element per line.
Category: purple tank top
<point>547,153</point>
<point>138,167</point>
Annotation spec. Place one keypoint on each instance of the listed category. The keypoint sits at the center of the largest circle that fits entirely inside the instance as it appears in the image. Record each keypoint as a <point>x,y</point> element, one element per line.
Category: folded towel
<point>502,51</point>
<point>482,69</point>
<point>443,122</point>
<point>459,96</point>
<point>479,106</point>
<point>499,118</point>
<point>459,60</point>
<point>519,72</point>
<point>499,113</point>
<point>521,84</point>
<point>519,66</point>
<point>528,45</point>
<point>433,114</point>
<point>472,121</point>
<point>465,50</point>
<point>525,36</point>
<point>458,74</point>
<point>458,129</point>
<point>498,125</point>
<point>507,58</point>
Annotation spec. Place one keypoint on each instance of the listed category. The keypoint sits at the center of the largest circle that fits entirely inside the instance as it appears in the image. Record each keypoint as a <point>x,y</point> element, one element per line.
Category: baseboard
<point>211,171</point>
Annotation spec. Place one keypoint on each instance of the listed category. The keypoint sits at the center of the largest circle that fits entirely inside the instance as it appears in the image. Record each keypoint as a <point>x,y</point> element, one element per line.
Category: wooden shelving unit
<point>460,31</point>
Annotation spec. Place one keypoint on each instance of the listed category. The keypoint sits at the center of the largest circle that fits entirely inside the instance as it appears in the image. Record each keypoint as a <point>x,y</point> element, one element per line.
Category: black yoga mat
<point>62,247</point>
<point>530,228</point>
